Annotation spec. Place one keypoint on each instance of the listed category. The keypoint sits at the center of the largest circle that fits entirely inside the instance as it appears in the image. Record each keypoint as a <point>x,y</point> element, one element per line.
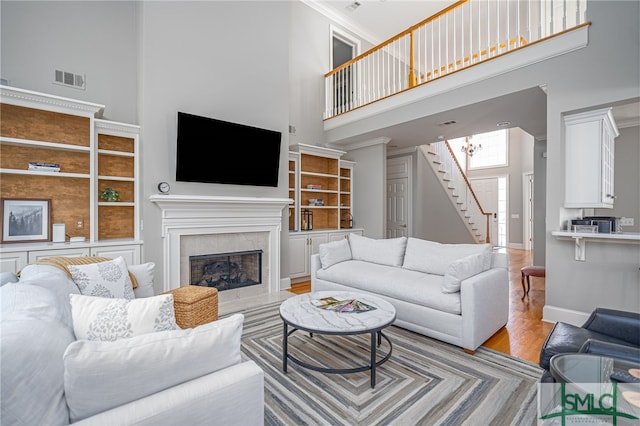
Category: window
<point>494,152</point>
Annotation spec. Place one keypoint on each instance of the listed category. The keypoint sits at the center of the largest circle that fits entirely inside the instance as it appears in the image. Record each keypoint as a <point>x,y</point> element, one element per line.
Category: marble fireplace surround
<point>221,216</point>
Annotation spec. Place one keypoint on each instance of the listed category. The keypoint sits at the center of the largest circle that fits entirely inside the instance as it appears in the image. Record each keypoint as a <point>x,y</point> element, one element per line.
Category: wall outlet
<point>626,221</point>
<point>79,224</point>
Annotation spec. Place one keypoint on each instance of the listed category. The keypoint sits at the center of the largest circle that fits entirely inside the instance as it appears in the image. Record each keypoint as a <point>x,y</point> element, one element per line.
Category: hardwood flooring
<point>525,331</point>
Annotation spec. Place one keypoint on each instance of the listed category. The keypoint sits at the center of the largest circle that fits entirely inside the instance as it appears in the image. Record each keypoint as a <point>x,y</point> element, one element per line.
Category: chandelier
<point>469,148</point>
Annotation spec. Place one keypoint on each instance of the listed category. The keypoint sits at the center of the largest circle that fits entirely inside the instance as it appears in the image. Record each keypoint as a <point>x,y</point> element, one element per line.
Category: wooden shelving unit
<point>321,176</point>
<point>93,154</point>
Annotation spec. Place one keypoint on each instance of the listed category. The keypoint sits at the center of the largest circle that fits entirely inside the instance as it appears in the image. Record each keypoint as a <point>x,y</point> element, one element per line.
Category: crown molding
<point>340,20</point>
<point>31,99</point>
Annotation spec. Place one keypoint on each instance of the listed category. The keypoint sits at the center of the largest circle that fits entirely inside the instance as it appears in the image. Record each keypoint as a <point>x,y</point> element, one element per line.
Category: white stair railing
<point>462,35</point>
<point>456,184</point>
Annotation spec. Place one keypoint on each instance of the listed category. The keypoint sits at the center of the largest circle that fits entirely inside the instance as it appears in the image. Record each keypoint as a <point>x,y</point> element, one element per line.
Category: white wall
<point>97,39</point>
<point>627,178</point>
<point>369,203</point>
<point>227,60</point>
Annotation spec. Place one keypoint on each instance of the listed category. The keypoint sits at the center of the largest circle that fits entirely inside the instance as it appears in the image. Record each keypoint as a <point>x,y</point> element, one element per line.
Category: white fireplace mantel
<point>205,215</point>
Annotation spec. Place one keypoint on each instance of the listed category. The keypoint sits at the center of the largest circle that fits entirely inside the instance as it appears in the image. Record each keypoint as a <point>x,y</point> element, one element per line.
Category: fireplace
<point>227,271</point>
<point>193,225</point>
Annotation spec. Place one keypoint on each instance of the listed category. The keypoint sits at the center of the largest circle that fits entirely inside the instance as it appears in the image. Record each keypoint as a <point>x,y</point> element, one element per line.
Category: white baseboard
<point>285,283</point>
<point>556,314</point>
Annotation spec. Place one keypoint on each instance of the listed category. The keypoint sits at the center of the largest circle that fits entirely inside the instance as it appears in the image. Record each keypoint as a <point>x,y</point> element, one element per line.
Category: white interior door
<point>486,190</point>
<point>397,206</point>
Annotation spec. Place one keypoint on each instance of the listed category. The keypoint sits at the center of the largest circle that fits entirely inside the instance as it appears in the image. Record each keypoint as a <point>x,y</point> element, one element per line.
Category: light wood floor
<point>525,331</point>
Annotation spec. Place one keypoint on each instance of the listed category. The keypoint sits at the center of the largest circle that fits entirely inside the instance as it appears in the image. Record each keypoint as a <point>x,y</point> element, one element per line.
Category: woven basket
<point>195,305</point>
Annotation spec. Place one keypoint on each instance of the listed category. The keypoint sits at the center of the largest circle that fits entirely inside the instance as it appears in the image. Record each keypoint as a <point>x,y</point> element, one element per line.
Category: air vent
<point>447,123</point>
<point>69,79</point>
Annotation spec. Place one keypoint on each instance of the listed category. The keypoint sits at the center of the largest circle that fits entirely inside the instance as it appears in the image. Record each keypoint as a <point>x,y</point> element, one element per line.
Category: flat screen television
<point>216,151</point>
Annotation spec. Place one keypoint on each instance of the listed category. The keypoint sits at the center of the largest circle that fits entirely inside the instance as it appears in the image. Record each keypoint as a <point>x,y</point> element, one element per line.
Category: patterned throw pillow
<point>104,279</point>
<point>105,319</point>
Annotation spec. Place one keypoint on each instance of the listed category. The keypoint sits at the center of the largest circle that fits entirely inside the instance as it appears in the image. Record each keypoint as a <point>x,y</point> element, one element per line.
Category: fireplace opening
<point>226,271</point>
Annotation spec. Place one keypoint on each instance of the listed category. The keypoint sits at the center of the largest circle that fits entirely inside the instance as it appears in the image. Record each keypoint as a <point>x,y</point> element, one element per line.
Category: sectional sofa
<point>457,293</point>
<point>50,376</point>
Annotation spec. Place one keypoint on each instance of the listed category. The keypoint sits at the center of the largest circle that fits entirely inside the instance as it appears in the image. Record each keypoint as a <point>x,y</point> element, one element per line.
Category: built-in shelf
<point>580,239</point>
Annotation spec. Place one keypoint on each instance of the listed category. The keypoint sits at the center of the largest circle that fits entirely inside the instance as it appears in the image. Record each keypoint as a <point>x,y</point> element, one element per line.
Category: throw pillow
<point>104,279</point>
<point>99,318</point>
<point>461,269</point>
<point>63,262</point>
<point>433,258</point>
<point>383,251</point>
<point>144,276</point>
<point>99,376</point>
<point>334,252</point>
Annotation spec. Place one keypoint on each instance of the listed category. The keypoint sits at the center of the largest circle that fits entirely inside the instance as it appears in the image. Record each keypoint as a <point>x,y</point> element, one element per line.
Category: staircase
<point>458,188</point>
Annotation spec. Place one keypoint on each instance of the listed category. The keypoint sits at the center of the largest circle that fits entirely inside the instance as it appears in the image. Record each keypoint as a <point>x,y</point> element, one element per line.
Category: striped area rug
<point>425,382</point>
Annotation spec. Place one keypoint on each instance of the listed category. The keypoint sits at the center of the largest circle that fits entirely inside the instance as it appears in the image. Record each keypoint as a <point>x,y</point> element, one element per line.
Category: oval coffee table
<point>299,313</point>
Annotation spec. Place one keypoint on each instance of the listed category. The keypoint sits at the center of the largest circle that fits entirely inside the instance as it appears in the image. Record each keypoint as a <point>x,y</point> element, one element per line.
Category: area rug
<point>425,382</point>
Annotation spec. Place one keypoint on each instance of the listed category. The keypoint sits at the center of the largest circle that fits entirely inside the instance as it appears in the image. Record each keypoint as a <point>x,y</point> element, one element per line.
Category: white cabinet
<point>130,253</point>
<point>589,157</point>
<point>36,255</point>
<point>339,235</point>
<point>303,245</point>
<point>13,262</point>
<point>14,257</point>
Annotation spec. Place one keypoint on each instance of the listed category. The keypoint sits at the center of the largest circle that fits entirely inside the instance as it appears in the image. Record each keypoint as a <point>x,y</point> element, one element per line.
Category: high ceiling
<point>378,20</point>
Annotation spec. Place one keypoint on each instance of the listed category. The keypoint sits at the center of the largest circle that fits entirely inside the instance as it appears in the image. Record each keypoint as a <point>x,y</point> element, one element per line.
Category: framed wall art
<point>26,220</point>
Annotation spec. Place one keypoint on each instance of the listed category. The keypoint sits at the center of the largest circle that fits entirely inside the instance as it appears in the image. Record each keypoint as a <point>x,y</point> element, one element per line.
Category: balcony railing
<point>463,35</point>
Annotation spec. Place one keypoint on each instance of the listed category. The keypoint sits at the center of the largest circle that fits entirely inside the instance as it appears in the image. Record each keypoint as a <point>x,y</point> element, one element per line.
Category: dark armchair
<point>607,332</point>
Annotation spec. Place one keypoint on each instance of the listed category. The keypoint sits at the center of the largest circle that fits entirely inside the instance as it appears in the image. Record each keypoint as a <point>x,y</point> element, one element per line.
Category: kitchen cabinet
<point>589,159</point>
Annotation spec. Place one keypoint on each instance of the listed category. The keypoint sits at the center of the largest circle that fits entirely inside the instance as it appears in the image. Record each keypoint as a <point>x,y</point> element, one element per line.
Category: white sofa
<point>173,377</point>
<point>457,293</point>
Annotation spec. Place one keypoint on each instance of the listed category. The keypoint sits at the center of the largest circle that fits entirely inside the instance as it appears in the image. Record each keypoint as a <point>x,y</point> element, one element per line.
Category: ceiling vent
<point>69,79</point>
<point>447,123</point>
<point>353,6</point>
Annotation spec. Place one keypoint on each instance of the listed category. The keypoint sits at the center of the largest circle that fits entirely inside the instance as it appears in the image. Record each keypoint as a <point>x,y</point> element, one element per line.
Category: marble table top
<point>300,313</point>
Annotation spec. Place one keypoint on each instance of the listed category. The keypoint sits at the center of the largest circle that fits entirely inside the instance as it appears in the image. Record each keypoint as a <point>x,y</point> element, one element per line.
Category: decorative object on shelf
<point>316,202</point>
<point>307,220</point>
<point>26,220</point>
<point>46,167</point>
<point>347,221</point>
<point>314,186</point>
<point>164,187</point>
<point>110,194</point>
<point>469,148</point>
<point>59,232</point>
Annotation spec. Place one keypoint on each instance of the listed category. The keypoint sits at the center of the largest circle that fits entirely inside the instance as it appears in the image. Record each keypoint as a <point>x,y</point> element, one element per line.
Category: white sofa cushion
<point>103,279</point>
<point>144,275</point>
<point>33,342</point>
<point>55,280</point>
<point>397,283</point>
<point>434,258</point>
<point>461,269</point>
<point>383,251</point>
<point>334,252</point>
<point>105,319</point>
<point>102,375</point>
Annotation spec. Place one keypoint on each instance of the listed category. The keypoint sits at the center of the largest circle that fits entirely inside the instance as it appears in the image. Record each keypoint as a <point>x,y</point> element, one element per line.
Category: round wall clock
<point>164,187</point>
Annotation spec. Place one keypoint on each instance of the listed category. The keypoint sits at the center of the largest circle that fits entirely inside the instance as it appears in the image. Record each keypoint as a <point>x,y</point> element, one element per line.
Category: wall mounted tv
<point>216,151</point>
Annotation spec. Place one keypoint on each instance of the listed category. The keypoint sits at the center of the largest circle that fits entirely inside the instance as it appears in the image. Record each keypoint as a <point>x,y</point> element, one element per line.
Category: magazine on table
<point>345,305</point>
